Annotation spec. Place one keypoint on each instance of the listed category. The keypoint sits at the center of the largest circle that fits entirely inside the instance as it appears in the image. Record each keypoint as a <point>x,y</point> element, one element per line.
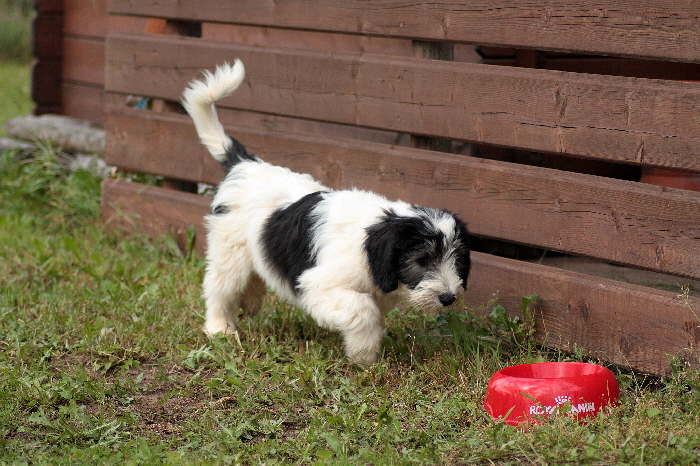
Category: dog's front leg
<point>355,315</point>
<point>363,343</point>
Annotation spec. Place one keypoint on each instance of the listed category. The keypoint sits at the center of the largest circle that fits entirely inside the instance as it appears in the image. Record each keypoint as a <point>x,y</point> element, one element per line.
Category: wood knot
<point>584,311</point>
<point>693,329</point>
<point>440,176</point>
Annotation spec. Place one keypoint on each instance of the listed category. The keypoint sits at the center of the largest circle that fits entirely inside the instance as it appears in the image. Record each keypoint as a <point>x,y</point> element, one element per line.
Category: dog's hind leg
<point>222,305</point>
<point>225,283</point>
<point>253,295</point>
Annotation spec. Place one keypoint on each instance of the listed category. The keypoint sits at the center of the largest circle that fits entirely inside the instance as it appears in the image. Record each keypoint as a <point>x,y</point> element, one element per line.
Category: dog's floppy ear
<point>385,243</point>
<point>463,253</point>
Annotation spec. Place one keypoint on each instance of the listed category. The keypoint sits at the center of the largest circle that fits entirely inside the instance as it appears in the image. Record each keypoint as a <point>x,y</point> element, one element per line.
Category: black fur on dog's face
<point>427,252</point>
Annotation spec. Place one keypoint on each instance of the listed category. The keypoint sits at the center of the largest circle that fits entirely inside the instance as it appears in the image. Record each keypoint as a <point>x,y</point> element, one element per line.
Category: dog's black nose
<point>446,299</point>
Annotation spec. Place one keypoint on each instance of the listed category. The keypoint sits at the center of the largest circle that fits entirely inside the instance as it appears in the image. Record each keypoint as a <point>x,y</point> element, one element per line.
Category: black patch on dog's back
<point>287,236</point>
<point>236,153</point>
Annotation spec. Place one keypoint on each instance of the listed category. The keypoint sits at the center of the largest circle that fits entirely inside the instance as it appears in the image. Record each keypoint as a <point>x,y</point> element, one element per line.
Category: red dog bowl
<point>532,392</point>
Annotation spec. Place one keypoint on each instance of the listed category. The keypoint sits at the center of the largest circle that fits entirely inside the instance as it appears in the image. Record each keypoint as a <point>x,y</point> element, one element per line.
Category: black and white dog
<point>345,257</point>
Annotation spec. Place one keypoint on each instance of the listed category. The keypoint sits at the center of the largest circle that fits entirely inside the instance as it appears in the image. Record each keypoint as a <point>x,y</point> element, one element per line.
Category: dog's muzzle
<point>446,299</point>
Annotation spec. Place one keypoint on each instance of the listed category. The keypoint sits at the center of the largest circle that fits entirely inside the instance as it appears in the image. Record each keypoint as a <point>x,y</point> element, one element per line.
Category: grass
<point>14,92</point>
<point>15,55</point>
<point>102,361</point>
<point>15,27</point>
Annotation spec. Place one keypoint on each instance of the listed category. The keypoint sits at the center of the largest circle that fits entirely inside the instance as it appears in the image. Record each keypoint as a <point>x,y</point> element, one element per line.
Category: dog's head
<point>426,251</point>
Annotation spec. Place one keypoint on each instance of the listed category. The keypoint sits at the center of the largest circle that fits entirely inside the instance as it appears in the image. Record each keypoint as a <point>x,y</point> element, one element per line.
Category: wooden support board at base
<point>155,211</point>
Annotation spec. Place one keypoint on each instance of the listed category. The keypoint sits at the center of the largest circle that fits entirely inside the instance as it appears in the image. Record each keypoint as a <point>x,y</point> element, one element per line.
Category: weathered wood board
<point>593,216</point>
<point>615,118</point>
<point>638,28</point>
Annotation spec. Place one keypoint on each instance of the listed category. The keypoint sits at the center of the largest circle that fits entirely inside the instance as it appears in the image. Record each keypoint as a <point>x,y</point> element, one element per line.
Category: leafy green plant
<point>496,330</point>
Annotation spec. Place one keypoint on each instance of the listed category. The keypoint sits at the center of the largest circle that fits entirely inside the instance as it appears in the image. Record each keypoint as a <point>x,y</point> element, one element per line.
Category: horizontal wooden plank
<point>87,18</point>
<point>84,60</point>
<point>642,28</point>
<point>625,324</point>
<point>46,35</point>
<point>624,222</point>
<point>126,126</point>
<point>83,101</point>
<point>263,36</point>
<point>613,118</point>
<point>290,38</point>
<point>154,211</point>
<point>126,130</point>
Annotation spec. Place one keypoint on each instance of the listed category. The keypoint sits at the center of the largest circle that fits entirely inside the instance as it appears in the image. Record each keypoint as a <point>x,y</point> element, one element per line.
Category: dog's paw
<point>364,358</point>
<point>219,329</point>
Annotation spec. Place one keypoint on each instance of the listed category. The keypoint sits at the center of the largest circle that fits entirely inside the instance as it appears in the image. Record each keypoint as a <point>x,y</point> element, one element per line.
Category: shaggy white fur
<point>345,257</point>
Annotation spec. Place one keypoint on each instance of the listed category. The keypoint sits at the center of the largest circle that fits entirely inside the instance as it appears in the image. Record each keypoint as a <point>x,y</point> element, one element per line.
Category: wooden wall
<point>68,73</point>
<point>47,33</point>
<point>534,141</point>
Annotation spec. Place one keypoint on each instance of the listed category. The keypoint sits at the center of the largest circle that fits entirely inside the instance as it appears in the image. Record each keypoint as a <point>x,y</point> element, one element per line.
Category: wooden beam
<point>86,18</point>
<point>625,324</point>
<point>46,82</point>
<point>624,222</point>
<point>154,211</point>
<point>46,35</point>
<point>84,61</point>
<point>629,28</point>
<point>83,101</point>
<point>611,118</point>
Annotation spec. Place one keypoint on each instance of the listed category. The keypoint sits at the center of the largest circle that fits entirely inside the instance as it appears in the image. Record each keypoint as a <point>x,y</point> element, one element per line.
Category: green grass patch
<point>102,361</point>
<point>15,57</point>
<point>15,30</point>
<point>15,99</point>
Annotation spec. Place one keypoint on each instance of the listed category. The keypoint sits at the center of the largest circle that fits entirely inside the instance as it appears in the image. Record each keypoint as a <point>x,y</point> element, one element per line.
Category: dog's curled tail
<point>198,99</point>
